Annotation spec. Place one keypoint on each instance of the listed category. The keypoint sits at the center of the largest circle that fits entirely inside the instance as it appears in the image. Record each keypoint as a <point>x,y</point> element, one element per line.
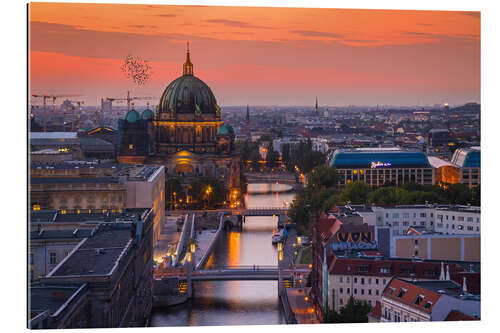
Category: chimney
<point>441,276</point>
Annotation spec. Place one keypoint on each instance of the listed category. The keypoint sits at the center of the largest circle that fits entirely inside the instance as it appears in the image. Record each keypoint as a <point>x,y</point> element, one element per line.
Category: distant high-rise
<point>316,107</point>
<point>248,115</point>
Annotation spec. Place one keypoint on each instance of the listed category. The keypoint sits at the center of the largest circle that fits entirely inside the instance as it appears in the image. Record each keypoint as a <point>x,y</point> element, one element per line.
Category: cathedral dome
<point>132,116</point>
<point>147,114</point>
<point>187,94</point>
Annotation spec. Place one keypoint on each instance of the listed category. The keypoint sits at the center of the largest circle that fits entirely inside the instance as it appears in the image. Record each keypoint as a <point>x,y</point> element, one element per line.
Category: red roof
<point>379,267</point>
<point>473,281</point>
<point>376,311</point>
<point>455,315</point>
<point>411,292</point>
<point>327,226</point>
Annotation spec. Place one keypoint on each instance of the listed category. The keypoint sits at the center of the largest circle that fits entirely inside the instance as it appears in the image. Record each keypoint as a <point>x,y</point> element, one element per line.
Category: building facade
<point>381,166</point>
<point>406,301</point>
<point>468,160</point>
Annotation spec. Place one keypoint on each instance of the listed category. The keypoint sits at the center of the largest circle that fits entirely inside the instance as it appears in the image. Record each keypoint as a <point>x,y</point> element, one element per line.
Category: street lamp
<point>280,259</point>
<point>188,259</point>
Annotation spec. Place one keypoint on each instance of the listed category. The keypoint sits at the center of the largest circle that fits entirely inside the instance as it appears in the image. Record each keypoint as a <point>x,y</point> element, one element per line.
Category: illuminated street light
<point>188,257</point>
<point>280,255</point>
<point>192,247</point>
<point>280,246</point>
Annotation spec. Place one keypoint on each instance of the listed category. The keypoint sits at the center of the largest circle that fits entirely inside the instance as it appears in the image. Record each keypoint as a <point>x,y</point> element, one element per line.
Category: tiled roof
<point>384,267</point>
<point>406,293</point>
<point>328,226</point>
<point>455,315</point>
<point>376,311</point>
<point>473,281</point>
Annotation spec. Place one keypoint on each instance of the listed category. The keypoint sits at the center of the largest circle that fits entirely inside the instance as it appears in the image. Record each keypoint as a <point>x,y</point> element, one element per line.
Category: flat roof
<point>50,297</point>
<point>53,135</point>
<point>97,255</point>
<point>73,180</point>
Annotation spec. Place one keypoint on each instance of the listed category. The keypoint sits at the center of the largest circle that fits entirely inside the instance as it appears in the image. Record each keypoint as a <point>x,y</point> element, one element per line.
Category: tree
<point>207,192</point>
<point>354,311</point>
<point>458,194</point>
<point>323,177</point>
<point>173,192</point>
<point>390,195</point>
<point>356,192</point>
<point>272,157</point>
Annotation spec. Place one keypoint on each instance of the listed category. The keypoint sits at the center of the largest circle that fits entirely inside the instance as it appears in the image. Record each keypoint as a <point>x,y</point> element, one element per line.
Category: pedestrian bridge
<point>264,211</point>
<point>240,273</point>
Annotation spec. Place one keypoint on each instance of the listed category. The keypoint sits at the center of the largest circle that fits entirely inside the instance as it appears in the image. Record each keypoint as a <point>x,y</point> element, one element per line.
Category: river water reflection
<point>235,302</point>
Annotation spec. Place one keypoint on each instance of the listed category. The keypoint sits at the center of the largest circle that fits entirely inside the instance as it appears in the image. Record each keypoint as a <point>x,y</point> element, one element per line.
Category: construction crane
<point>129,99</point>
<point>53,97</point>
<point>79,103</point>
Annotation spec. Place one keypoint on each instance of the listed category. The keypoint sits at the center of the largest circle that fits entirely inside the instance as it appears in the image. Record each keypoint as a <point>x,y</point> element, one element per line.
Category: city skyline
<point>260,56</point>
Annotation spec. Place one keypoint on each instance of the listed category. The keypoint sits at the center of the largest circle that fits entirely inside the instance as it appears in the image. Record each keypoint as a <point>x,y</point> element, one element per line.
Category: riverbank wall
<point>203,261</point>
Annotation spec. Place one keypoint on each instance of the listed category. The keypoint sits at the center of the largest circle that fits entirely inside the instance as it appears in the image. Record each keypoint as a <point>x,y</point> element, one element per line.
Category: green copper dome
<point>147,114</point>
<point>187,94</point>
<point>132,116</point>
<point>223,130</point>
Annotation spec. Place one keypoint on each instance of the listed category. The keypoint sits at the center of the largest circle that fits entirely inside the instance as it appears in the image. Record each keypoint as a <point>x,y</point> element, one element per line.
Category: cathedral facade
<point>186,134</point>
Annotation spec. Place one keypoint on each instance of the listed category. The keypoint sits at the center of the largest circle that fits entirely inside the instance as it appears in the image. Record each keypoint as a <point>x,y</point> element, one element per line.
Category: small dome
<point>147,114</point>
<point>132,116</point>
<point>223,130</point>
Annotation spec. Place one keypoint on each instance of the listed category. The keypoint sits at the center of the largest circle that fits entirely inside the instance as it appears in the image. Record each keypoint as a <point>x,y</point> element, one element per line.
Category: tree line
<point>323,192</point>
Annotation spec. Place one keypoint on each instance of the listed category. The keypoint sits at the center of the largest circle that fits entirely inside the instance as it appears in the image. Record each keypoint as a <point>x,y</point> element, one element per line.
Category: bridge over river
<point>237,273</point>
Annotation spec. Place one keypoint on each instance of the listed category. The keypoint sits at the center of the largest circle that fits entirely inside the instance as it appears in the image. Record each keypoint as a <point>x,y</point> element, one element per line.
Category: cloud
<point>165,15</point>
<point>237,24</point>
<point>436,36</point>
<point>142,26</point>
<point>473,14</point>
<point>311,33</point>
<point>360,40</point>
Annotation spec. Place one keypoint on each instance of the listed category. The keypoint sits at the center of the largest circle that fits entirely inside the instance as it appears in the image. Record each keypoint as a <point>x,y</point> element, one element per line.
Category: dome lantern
<point>188,65</point>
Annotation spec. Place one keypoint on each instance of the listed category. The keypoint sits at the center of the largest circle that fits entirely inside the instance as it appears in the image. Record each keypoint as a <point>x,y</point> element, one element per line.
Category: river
<point>236,302</point>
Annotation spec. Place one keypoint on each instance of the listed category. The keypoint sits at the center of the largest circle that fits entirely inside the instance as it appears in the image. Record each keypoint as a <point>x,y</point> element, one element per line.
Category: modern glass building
<point>468,160</point>
<point>380,166</point>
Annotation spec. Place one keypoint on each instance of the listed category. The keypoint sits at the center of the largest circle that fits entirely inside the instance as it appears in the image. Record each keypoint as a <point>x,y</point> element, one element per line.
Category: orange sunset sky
<point>259,56</point>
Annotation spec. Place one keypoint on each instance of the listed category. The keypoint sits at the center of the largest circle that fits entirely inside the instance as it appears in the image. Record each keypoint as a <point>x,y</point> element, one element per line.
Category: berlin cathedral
<point>186,133</point>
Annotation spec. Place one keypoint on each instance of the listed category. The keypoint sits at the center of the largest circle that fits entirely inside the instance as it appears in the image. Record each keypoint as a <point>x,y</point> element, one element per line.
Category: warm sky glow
<point>251,55</point>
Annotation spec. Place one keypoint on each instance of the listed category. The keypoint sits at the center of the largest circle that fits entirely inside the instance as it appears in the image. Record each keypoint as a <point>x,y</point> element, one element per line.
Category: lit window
<point>36,207</point>
<point>130,146</point>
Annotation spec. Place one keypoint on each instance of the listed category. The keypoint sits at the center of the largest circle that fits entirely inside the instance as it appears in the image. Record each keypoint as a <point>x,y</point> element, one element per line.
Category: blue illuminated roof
<point>392,157</point>
<point>467,157</point>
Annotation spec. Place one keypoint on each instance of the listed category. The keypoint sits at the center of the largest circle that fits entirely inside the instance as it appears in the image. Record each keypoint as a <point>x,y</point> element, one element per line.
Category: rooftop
<point>97,255</point>
<point>61,234</point>
<point>378,158</point>
<point>94,216</point>
<point>51,297</point>
<point>73,180</point>
<point>467,157</point>
<point>53,135</point>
